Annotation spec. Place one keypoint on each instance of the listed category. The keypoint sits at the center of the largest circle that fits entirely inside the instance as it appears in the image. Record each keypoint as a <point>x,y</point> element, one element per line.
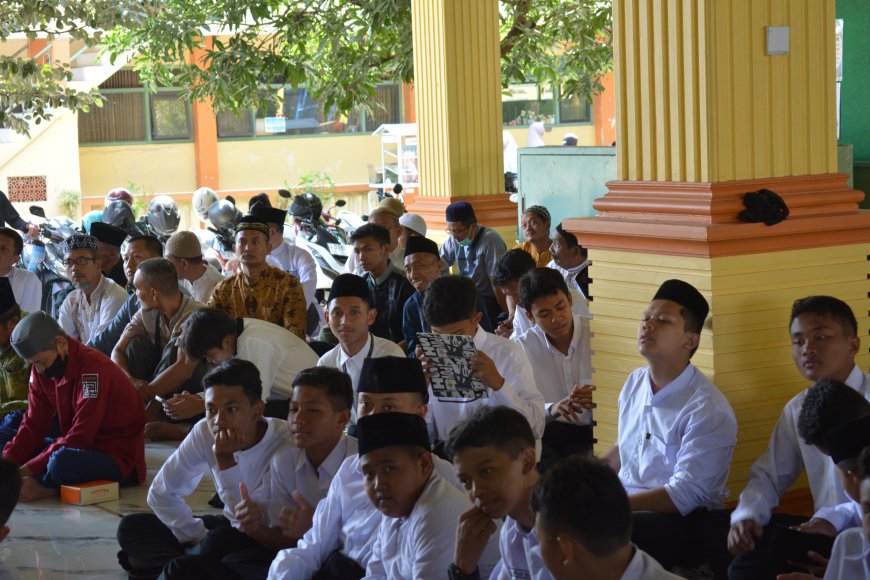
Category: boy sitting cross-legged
<point>300,476</point>
<point>824,337</point>
<point>414,539</point>
<point>339,543</point>
<point>676,435</point>
<point>237,444</point>
<point>493,454</point>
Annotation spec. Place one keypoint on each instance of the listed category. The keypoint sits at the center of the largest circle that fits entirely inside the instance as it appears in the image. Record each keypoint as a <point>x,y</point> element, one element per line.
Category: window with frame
<point>299,113</point>
<point>524,104</point>
<point>131,113</point>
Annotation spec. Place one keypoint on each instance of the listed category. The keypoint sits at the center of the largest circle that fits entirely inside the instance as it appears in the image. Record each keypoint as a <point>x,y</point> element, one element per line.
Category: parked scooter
<point>44,257</point>
<point>310,225</point>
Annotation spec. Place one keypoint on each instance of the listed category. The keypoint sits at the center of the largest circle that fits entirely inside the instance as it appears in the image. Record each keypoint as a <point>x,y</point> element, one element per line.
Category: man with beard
<point>99,413</point>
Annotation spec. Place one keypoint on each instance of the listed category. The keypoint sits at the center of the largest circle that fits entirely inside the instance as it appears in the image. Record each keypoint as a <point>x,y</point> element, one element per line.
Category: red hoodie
<point>98,410</point>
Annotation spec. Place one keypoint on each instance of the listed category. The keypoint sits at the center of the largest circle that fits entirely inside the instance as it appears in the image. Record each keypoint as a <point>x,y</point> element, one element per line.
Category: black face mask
<point>57,369</point>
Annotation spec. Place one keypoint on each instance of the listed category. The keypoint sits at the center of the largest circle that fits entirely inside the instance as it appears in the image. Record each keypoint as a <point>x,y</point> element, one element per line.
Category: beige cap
<point>183,245</point>
<point>392,204</point>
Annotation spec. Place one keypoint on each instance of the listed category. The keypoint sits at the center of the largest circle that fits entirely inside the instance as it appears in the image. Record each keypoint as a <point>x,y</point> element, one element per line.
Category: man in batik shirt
<point>260,290</point>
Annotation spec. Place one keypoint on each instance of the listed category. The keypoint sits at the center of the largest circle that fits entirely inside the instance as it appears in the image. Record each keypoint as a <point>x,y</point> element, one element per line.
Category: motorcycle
<point>44,257</point>
<point>310,225</point>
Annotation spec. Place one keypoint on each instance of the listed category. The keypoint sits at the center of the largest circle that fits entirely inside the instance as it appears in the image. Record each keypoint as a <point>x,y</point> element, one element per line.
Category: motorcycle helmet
<point>91,217</point>
<point>119,193</point>
<point>222,213</point>
<point>203,198</point>
<point>119,213</point>
<point>306,206</point>
<point>163,215</point>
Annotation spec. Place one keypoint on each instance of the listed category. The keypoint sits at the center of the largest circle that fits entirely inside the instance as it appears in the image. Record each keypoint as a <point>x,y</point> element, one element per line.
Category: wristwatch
<point>454,573</point>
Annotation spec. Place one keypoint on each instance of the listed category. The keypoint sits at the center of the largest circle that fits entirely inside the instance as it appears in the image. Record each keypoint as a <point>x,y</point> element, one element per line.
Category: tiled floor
<point>51,539</point>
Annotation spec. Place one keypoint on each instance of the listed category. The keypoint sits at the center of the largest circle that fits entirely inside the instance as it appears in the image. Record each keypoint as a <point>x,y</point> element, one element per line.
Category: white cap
<point>413,222</point>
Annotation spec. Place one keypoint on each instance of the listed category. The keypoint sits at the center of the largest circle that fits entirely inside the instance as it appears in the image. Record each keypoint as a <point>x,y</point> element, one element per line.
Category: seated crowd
<point>360,452</point>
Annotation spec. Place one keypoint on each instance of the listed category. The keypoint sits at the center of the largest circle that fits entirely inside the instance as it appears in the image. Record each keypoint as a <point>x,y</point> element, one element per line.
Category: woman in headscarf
<point>536,232</point>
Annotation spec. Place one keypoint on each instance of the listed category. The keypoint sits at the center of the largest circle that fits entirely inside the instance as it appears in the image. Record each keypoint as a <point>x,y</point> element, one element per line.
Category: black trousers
<point>149,548</point>
<point>676,540</point>
<point>339,567</point>
<point>757,564</point>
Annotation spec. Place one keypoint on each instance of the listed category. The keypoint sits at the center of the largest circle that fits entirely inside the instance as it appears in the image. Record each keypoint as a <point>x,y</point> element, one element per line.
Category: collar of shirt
<point>265,276</point>
<point>98,291</point>
<point>383,277</point>
<point>253,453</point>
<point>682,382</point>
<point>855,378</point>
<point>330,465</point>
<point>356,359</point>
<point>480,338</point>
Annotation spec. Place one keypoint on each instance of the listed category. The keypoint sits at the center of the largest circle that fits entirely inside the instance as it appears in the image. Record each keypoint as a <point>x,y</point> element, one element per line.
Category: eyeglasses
<point>80,261</point>
<point>456,231</point>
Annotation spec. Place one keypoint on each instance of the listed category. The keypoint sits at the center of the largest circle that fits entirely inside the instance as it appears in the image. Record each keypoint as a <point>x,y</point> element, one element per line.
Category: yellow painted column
<point>457,91</point>
<point>705,115</point>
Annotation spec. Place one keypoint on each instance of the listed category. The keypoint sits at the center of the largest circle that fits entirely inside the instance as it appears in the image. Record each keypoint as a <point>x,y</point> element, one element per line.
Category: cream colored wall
<point>585,134</point>
<point>52,153</point>
<point>270,163</point>
<point>154,168</point>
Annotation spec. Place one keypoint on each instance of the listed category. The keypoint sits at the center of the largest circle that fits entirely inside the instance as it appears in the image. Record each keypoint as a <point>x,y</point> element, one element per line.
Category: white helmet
<point>202,200</point>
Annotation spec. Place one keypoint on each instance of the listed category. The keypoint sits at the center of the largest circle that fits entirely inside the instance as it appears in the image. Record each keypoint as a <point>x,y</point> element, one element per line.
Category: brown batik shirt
<point>274,296</point>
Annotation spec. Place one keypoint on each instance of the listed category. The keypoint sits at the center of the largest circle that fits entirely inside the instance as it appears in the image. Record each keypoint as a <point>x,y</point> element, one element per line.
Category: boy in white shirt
<point>493,453</point>
<point>583,523</point>
<point>824,336</point>
<point>300,475</point>
<point>676,434</point>
<point>213,336</point>
<point>236,443</point>
<point>450,307</point>
<point>559,350</point>
<point>339,543</point>
<point>415,538</point>
<point>350,314</point>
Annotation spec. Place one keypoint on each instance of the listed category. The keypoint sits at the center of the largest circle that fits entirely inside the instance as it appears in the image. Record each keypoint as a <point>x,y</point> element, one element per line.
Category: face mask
<point>57,369</point>
<point>467,241</point>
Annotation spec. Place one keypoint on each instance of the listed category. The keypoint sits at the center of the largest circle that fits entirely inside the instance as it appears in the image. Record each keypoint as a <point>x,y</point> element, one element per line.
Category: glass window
<point>121,118</point>
<point>230,124</point>
<point>574,110</point>
<point>388,108</point>
<point>170,117</point>
<point>526,104</point>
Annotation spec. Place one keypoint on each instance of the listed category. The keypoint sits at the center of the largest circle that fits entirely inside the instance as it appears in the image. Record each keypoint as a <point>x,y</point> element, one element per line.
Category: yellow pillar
<point>704,115</point>
<point>457,90</point>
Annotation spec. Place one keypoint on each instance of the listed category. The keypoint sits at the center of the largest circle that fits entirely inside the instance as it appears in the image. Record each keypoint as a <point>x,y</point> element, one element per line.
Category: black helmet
<point>306,206</point>
<point>163,215</point>
<point>119,214</point>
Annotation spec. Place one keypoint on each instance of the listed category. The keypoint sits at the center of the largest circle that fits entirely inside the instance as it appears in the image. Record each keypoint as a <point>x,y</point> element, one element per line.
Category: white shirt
<point>644,567</point>
<point>278,354</point>
<point>850,557</point>
<point>520,554</point>
<point>422,545</point>
<point>298,262</point>
<point>787,455</point>
<point>200,289</point>
<point>522,324</point>
<point>570,274</point>
<point>293,471</point>
<point>344,520</point>
<point>84,319</point>
<point>680,438</point>
<point>557,373</point>
<point>337,358</point>
<point>842,516</point>
<point>26,288</point>
<point>520,391</point>
<point>184,469</point>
